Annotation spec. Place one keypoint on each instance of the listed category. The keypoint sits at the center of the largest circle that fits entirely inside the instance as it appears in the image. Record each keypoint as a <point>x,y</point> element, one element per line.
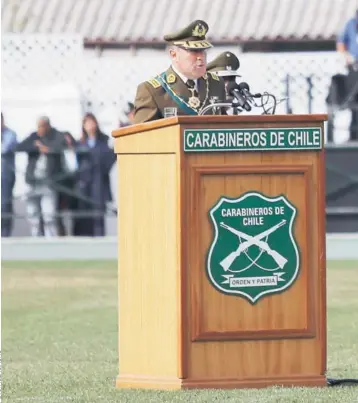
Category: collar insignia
<point>171,78</point>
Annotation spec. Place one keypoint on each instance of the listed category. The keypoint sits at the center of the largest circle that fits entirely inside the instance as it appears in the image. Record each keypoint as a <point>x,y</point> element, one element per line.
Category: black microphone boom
<point>244,87</point>
<point>233,89</point>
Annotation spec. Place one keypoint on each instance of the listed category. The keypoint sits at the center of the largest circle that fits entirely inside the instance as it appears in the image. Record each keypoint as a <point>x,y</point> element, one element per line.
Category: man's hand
<point>349,59</point>
<point>42,148</point>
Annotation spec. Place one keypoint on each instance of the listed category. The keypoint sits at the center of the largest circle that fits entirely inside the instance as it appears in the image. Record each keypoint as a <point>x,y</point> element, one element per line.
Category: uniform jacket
<point>151,97</point>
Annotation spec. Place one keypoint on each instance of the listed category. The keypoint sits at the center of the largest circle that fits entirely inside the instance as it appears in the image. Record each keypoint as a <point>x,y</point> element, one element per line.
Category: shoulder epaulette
<point>214,76</point>
<point>154,82</point>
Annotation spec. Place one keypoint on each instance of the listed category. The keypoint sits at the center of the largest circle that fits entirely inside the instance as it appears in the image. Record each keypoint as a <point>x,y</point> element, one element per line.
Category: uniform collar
<point>182,76</point>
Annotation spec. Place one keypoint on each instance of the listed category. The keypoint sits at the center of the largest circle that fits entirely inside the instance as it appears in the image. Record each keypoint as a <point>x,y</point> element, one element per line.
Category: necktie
<point>191,84</point>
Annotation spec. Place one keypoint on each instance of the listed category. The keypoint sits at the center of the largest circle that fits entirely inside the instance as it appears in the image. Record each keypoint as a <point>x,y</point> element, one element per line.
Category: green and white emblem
<point>254,252</point>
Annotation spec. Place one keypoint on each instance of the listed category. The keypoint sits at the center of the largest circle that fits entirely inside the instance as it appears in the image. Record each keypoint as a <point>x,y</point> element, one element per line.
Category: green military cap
<point>226,64</point>
<point>191,37</point>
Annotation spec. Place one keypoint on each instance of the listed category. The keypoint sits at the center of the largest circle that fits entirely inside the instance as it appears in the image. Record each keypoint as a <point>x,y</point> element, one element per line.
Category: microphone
<point>233,89</point>
<point>245,89</point>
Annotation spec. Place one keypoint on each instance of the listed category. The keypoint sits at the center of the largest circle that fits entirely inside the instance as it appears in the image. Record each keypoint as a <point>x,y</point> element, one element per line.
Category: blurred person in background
<point>226,65</point>
<point>347,45</point>
<point>185,85</point>
<point>95,160</point>
<point>66,199</point>
<point>129,112</point>
<point>44,168</point>
<point>347,42</point>
<point>8,177</point>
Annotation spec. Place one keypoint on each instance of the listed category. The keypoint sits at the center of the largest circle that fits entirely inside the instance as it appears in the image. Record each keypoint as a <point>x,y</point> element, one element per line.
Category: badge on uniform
<point>171,78</point>
<point>154,83</point>
<point>194,102</point>
<point>214,76</point>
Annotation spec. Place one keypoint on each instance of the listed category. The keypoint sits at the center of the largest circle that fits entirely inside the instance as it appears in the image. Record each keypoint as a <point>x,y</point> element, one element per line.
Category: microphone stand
<point>237,109</point>
<point>218,105</point>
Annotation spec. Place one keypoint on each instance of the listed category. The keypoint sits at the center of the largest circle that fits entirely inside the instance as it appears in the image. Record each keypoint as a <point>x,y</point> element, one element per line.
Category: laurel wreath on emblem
<point>199,30</point>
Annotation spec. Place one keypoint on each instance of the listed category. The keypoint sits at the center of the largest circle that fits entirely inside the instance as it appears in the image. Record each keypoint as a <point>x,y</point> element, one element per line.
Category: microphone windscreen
<point>232,86</point>
<point>244,86</point>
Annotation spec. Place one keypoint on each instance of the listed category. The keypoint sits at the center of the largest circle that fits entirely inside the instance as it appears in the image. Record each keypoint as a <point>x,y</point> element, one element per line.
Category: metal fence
<point>106,81</point>
<point>55,75</point>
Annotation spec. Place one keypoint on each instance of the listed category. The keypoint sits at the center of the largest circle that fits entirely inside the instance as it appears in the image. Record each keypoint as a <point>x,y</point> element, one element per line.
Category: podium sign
<point>221,237</point>
<point>253,139</point>
<point>254,252</point>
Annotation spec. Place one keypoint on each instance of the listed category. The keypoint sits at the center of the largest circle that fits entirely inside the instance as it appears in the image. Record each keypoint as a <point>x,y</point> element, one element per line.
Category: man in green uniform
<point>186,85</point>
<point>226,65</point>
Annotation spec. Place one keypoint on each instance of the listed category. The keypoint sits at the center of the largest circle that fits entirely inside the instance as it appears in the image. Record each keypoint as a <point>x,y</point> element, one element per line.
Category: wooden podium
<point>221,245</point>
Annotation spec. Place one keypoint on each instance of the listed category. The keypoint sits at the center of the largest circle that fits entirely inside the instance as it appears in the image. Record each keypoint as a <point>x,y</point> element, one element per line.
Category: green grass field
<point>59,339</point>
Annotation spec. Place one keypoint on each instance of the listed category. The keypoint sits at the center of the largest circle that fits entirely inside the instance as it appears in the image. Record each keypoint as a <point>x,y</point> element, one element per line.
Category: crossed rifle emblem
<point>253,240</point>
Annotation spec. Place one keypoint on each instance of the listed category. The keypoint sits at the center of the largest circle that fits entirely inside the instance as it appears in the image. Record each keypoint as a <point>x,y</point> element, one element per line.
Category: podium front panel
<point>255,302</point>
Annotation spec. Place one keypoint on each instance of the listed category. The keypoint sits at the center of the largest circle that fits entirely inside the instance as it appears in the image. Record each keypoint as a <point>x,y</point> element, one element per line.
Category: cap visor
<point>193,45</point>
<point>227,73</point>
